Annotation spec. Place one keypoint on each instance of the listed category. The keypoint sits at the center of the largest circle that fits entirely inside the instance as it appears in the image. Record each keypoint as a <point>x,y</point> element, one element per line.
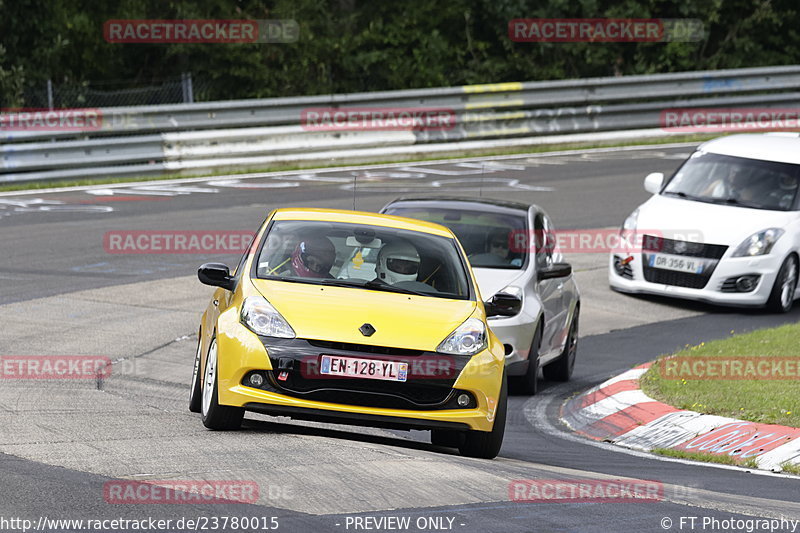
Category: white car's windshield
<point>488,238</point>
<point>736,181</point>
<point>357,255</point>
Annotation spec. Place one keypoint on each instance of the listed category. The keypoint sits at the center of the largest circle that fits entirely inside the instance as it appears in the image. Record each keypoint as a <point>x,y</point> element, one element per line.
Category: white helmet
<point>397,261</point>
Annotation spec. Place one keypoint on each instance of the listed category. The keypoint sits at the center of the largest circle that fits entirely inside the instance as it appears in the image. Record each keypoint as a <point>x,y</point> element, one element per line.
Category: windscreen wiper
<point>339,283</point>
<point>681,194</point>
<point>381,285</point>
<point>735,201</point>
<point>374,284</point>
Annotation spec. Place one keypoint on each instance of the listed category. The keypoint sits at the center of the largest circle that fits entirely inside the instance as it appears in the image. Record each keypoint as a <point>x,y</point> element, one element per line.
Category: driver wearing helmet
<point>313,257</point>
<point>398,261</point>
<point>786,191</point>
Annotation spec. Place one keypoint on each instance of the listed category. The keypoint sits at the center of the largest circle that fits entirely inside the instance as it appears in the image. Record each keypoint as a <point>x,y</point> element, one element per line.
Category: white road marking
<point>237,184</point>
<point>66,209</point>
<point>479,184</point>
<point>491,165</point>
<point>398,175</point>
<point>29,202</point>
<point>152,190</point>
<point>531,162</point>
<point>444,172</point>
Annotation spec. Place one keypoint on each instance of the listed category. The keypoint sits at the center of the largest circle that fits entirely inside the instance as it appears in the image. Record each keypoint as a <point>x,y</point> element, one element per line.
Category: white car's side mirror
<point>653,182</point>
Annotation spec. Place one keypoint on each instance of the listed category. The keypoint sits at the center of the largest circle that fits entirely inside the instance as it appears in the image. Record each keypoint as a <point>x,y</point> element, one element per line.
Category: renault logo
<point>367,330</point>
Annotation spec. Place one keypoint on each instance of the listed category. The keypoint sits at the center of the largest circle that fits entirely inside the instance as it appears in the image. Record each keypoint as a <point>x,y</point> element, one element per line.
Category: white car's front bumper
<point>766,267</point>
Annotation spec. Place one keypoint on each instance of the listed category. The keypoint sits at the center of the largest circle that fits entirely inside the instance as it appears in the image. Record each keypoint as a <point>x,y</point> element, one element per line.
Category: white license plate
<point>353,367</point>
<point>677,263</point>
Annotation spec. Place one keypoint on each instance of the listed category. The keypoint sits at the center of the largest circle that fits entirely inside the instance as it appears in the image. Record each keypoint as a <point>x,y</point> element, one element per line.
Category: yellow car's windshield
<point>358,255</point>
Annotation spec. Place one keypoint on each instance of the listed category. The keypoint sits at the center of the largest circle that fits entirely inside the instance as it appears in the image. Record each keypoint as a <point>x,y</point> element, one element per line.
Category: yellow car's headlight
<point>467,339</point>
<point>262,319</point>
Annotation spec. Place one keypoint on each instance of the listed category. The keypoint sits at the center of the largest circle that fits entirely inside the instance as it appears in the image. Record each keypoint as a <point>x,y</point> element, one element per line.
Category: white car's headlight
<point>627,233</point>
<point>630,223</point>
<point>760,243</point>
<point>262,319</point>
<point>467,339</point>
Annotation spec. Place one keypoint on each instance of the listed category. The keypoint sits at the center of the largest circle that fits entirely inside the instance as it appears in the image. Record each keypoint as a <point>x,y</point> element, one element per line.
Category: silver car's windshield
<point>363,256</point>
<point>490,239</point>
<point>736,181</point>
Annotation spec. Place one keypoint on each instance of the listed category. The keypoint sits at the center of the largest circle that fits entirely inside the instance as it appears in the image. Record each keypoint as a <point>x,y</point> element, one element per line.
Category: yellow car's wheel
<point>216,416</point>
<point>444,437</point>
<point>487,444</point>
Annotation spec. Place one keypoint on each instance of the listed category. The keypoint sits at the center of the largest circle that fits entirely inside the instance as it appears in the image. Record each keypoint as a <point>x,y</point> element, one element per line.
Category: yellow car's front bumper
<point>241,352</point>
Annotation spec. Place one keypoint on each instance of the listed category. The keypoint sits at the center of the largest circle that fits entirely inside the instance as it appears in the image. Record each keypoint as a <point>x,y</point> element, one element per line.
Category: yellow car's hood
<point>336,314</point>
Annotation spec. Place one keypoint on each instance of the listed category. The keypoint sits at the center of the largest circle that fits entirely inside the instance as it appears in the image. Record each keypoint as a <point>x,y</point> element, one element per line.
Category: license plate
<point>353,367</point>
<point>677,263</point>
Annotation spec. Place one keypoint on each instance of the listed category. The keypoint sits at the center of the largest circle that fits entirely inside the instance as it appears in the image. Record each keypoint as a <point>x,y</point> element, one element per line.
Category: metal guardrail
<point>202,137</point>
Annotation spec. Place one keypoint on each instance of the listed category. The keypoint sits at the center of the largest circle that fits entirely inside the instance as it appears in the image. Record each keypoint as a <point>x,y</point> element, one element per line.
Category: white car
<point>724,229</point>
<point>531,297</point>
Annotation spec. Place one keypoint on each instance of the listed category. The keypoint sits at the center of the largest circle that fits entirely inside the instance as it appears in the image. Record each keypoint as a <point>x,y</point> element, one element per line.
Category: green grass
<point>705,457</point>
<point>288,167</point>
<point>764,401</point>
<point>791,468</point>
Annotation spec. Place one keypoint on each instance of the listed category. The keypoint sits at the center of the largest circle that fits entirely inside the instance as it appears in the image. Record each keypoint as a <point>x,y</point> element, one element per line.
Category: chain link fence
<point>52,95</point>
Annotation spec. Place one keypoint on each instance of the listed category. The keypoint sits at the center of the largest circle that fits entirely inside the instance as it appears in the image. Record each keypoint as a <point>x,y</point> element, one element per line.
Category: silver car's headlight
<point>467,339</point>
<point>262,319</point>
<point>759,243</point>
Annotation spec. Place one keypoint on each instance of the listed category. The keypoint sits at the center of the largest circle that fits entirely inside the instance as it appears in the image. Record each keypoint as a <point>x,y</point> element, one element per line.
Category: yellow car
<point>354,318</point>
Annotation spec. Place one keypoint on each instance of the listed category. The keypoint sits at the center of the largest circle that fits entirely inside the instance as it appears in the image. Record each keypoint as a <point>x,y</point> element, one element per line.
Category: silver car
<point>532,298</point>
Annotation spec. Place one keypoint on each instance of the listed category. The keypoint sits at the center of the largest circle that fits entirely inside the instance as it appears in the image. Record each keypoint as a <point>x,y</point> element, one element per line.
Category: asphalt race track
<point>63,293</point>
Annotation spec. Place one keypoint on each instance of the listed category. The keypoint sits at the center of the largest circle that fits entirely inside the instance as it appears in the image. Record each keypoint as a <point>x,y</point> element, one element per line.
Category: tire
<point>561,368</point>
<point>196,392</point>
<point>487,444</point>
<point>529,382</point>
<point>781,297</point>
<point>216,416</point>
<point>443,437</point>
